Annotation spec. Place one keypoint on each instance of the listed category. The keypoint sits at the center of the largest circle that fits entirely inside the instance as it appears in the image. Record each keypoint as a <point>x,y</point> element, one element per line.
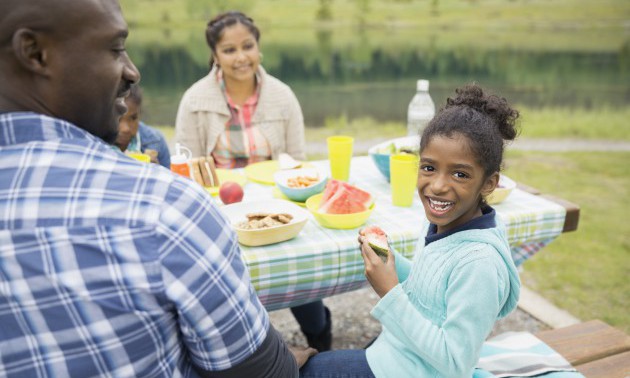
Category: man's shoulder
<point>24,127</point>
<point>118,178</point>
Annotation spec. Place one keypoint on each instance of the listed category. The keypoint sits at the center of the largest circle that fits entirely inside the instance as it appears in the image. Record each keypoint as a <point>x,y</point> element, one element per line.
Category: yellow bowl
<point>342,221</point>
<point>237,212</point>
<point>502,191</point>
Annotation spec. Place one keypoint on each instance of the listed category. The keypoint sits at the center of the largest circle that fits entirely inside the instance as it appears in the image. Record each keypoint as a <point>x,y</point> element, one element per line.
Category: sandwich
<point>204,172</point>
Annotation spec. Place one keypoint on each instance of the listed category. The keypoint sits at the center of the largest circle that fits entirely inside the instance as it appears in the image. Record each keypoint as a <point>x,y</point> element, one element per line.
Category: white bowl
<point>237,213</point>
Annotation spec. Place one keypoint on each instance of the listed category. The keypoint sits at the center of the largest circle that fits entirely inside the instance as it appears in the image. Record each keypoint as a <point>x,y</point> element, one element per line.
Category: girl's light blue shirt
<point>449,297</point>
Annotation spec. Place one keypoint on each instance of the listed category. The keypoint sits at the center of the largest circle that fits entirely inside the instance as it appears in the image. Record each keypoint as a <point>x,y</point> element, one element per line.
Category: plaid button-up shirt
<point>241,143</point>
<point>111,267</point>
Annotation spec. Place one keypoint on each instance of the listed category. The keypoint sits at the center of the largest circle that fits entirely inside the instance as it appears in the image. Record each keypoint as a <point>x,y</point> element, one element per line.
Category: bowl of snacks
<point>265,222</point>
<point>502,191</point>
<point>300,184</point>
<point>341,206</point>
<point>381,152</point>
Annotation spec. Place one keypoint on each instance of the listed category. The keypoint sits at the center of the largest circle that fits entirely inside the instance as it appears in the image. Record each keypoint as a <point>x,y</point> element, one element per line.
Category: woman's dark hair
<point>214,30</point>
<point>486,120</point>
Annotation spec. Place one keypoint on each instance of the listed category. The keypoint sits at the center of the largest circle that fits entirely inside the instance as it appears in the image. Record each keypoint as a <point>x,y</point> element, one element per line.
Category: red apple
<point>230,192</point>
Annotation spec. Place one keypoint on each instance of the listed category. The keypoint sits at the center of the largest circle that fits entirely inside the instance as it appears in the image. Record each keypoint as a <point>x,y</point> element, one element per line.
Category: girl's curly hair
<point>488,121</point>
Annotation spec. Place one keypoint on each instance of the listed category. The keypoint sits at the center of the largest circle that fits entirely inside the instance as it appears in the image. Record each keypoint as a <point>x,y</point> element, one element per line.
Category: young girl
<point>437,310</point>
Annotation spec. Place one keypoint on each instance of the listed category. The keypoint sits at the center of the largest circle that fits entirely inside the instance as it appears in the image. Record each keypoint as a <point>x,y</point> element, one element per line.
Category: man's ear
<point>490,184</point>
<point>29,51</point>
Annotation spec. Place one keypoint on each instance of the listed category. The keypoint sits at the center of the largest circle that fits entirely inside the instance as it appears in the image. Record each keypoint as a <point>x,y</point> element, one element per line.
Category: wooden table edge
<point>572,217</point>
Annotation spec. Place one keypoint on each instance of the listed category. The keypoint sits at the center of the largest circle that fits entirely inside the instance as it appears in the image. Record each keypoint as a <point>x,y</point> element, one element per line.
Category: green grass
<point>604,123</point>
<point>547,123</point>
<point>585,272</point>
<point>363,128</point>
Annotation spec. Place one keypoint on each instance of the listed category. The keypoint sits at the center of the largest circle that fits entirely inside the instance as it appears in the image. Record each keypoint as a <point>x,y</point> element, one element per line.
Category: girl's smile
<point>439,207</point>
<point>451,182</point>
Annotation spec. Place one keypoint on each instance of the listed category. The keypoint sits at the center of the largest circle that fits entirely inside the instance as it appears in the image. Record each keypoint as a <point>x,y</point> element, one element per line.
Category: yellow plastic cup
<point>340,155</point>
<point>403,178</point>
<point>140,157</point>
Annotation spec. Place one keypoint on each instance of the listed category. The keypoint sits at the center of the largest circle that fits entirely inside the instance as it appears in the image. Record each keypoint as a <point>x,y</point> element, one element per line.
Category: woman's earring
<point>261,57</point>
<point>213,62</point>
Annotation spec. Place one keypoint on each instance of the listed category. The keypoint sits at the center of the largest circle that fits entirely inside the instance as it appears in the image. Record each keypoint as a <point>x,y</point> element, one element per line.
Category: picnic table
<point>322,262</point>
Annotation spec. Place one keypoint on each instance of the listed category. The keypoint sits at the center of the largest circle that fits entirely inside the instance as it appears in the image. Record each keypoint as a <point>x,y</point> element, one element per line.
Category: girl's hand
<point>381,275</point>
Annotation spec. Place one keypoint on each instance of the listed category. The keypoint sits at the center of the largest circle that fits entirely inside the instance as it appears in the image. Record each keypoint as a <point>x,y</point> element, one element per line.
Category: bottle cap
<point>422,85</point>
<point>180,157</point>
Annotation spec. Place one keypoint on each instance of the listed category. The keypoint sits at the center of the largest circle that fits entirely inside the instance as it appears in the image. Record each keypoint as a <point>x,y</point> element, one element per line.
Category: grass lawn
<point>548,123</point>
<point>585,272</point>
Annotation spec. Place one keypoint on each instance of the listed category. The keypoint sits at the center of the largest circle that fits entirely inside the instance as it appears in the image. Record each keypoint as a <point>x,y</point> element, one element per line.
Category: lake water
<point>372,74</point>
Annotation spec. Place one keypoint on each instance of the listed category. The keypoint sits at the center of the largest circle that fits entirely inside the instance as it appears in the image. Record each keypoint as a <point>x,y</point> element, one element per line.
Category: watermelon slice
<point>331,187</point>
<point>342,198</point>
<point>377,238</point>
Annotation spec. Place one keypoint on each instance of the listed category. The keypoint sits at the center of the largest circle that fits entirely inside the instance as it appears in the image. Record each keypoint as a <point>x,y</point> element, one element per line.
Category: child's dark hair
<point>214,30</point>
<point>486,120</point>
<point>135,94</point>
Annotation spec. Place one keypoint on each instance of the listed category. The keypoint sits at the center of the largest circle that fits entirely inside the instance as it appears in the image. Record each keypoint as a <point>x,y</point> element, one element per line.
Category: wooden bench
<point>594,348</point>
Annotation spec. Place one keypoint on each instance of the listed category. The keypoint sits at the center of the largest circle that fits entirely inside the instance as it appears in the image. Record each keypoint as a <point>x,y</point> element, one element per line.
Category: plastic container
<point>180,160</point>
<point>421,109</point>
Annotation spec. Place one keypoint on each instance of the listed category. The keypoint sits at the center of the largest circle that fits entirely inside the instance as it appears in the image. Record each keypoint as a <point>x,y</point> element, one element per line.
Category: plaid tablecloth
<point>321,262</point>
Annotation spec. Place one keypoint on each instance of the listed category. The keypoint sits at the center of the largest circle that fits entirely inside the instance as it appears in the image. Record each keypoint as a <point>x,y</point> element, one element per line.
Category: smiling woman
<point>238,115</point>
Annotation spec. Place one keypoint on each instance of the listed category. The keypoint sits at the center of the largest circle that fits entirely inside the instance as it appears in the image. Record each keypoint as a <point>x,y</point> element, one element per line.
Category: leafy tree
<point>363,8</point>
<point>324,13</point>
<point>201,9</point>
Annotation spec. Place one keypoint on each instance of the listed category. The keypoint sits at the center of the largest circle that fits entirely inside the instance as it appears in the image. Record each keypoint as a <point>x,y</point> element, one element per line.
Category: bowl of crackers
<point>300,184</point>
<point>265,222</point>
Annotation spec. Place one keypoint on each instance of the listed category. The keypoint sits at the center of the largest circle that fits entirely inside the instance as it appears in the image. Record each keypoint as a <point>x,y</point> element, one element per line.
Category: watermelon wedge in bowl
<point>341,206</point>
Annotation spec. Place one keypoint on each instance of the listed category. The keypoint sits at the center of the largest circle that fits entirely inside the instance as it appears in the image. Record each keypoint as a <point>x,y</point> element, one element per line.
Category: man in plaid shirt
<point>108,267</point>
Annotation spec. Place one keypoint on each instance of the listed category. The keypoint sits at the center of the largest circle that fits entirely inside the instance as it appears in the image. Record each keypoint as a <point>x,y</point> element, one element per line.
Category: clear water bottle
<point>421,109</point>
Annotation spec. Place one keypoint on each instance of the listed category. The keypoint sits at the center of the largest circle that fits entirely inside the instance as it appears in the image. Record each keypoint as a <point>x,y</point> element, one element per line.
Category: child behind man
<point>437,310</point>
<point>135,136</point>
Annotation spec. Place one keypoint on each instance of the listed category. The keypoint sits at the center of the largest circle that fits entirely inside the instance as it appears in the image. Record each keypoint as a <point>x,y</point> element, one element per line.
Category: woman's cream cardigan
<point>203,113</point>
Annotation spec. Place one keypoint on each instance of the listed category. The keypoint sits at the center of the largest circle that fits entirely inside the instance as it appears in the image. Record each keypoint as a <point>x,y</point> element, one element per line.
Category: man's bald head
<point>66,59</point>
<point>41,15</point>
